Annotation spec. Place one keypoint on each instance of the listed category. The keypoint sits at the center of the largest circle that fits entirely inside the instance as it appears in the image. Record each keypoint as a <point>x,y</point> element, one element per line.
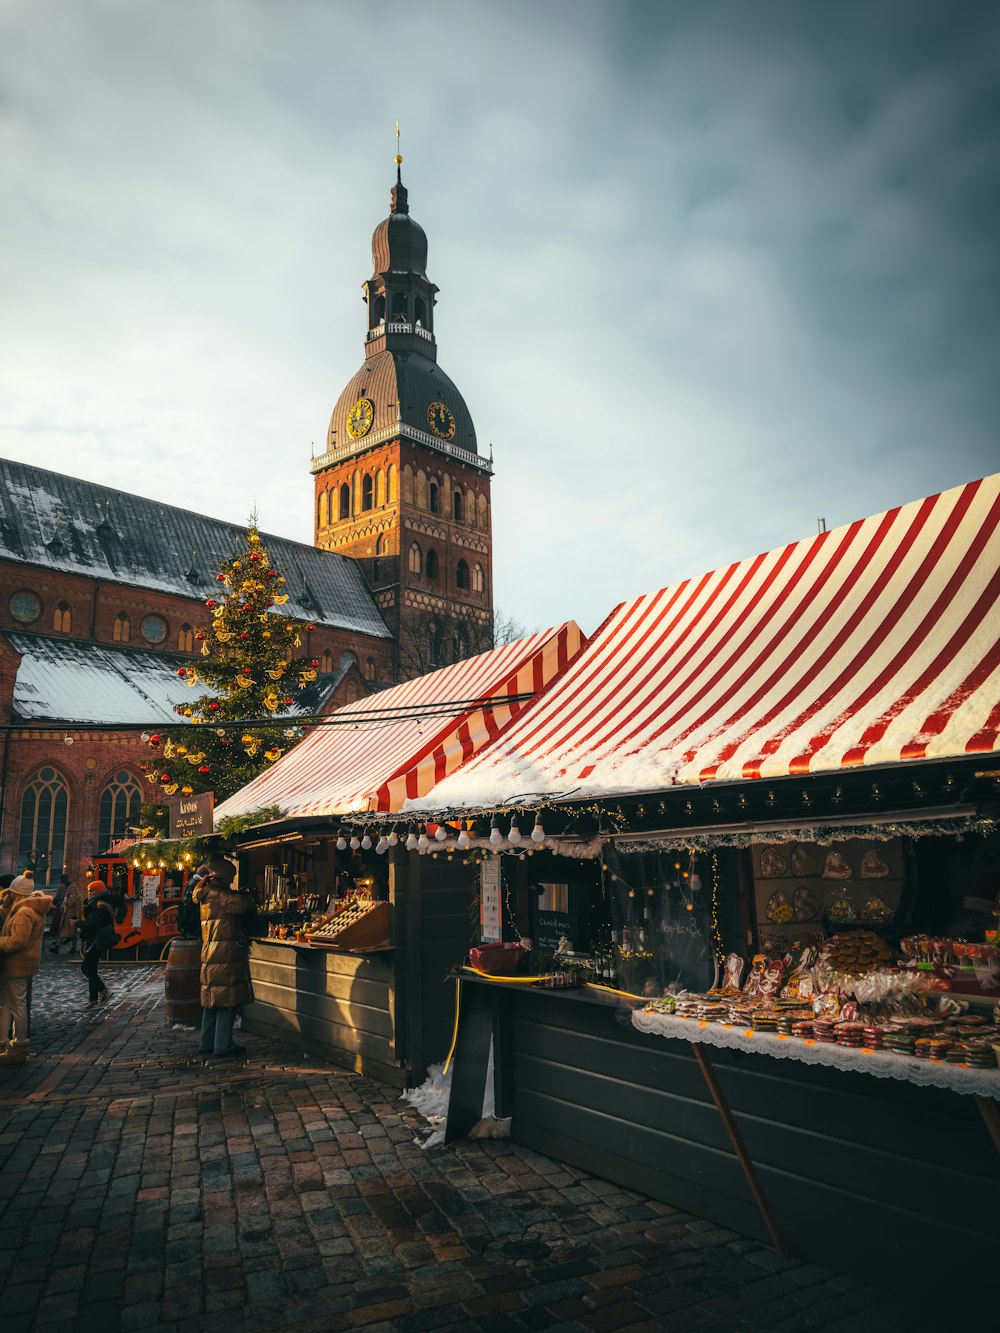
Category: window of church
<point>379,488</point>
<point>390,484</point>
<point>457,507</point>
<point>122,628</point>
<point>62,618</point>
<point>434,502</point>
<point>120,802</point>
<point>420,311</point>
<point>185,639</point>
<point>399,310</point>
<point>431,564</point>
<point>350,692</point>
<point>380,544</point>
<point>345,501</point>
<point>42,834</point>
<point>421,489</point>
<point>408,492</point>
<point>367,491</point>
<point>326,661</point>
<point>369,668</point>
<point>477,578</point>
<point>471,507</point>
<point>323,510</point>
<point>462,575</point>
<point>413,561</point>
<point>484,513</point>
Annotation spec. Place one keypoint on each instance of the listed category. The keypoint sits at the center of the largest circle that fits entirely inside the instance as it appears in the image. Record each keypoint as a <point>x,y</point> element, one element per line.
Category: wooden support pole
<point>991,1118</point>
<point>739,1147</point>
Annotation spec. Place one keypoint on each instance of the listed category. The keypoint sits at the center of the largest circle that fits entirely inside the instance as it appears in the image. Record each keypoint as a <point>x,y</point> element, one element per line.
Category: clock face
<point>440,420</point>
<point>360,418</point>
<point>25,607</point>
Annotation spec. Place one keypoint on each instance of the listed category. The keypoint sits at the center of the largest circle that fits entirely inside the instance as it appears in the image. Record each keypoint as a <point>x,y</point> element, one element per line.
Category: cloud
<point>707,272</point>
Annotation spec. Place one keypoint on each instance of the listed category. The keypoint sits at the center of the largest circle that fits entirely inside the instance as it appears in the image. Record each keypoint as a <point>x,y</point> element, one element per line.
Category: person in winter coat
<point>20,951</point>
<point>97,933</point>
<point>225,957</point>
<point>65,928</point>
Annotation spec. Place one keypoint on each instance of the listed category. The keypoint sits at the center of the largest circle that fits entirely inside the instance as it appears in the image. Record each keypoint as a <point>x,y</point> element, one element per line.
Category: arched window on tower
<point>457,507</point>
<point>185,639</point>
<point>380,544</point>
<point>379,488</point>
<point>421,489</point>
<point>120,802</point>
<point>477,578</point>
<point>399,310</point>
<point>326,661</point>
<point>378,311</point>
<point>462,576</point>
<point>62,618</point>
<point>122,628</point>
<point>431,564</point>
<point>484,514</point>
<point>470,505</point>
<point>413,561</point>
<point>42,836</point>
<point>323,510</point>
<point>433,498</point>
<point>420,312</point>
<point>390,483</point>
<point>367,490</point>
<point>345,501</point>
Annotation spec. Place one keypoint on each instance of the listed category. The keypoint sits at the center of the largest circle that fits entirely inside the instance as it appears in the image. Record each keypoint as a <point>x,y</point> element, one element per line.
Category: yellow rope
<point>610,990</point>
<point>520,981</point>
<point>454,1035</point>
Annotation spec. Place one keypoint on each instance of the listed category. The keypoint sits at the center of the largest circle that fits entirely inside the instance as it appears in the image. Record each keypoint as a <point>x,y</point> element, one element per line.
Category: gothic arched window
<point>326,661</point>
<point>120,802</point>
<point>462,576</point>
<point>122,628</point>
<point>431,565</point>
<point>62,618</point>
<point>369,668</point>
<point>380,544</point>
<point>421,489</point>
<point>390,483</point>
<point>413,562</point>
<point>399,310</point>
<point>42,836</point>
<point>345,501</point>
<point>185,639</point>
<point>420,311</point>
<point>457,507</point>
<point>484,514</point>
<point>477,578</point>
<point>367,490</point>
<point>433,502</point>
<point>323,510</point>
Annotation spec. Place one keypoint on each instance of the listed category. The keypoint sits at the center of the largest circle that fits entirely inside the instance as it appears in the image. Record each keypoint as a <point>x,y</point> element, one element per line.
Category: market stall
<point>375,998</point>
<point>790,761</point>
<point>152,893</point>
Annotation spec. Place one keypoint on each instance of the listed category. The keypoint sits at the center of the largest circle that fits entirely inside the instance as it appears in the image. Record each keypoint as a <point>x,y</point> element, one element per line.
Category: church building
<point>102,592</point>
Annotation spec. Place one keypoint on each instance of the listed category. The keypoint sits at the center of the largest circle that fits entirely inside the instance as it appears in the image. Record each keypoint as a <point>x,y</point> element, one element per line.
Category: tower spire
<point>397,195</point>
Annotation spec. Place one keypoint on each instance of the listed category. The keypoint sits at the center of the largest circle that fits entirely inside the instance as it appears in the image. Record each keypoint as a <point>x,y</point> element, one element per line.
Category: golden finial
<point>399,159</point>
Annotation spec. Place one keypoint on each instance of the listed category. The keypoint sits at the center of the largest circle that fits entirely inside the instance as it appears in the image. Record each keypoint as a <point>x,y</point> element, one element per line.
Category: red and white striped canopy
<point>870,644</point>
<point>375,753</point>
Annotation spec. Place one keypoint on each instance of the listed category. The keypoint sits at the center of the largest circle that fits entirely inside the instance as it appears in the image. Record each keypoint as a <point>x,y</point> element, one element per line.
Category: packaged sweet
<point>779,908</point>
<point>805,905</point>
<point>876,910</point>
<point>842,909</point>
<point>835,867</point>
<point>732,974</point>
<point>772,864</point>
<point>804,863</point>
<point>766,976</point>
<point>872,866</point>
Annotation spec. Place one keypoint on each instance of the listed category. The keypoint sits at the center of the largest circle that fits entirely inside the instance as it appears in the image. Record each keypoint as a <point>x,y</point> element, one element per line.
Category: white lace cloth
<point>881,1064</point>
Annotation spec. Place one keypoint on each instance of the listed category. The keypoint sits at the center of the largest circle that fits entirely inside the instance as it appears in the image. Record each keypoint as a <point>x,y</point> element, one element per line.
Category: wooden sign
<point>191,816</point>
<point>489,900</point>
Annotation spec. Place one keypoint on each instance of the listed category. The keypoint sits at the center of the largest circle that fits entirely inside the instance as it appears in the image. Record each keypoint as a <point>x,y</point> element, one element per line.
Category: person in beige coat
<point>69,919</point>
<point>225,957</point>
<point>20,952</point>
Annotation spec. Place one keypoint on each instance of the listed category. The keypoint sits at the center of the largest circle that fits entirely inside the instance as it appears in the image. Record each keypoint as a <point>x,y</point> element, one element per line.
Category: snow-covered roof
<point>79,527</point>
<point>875,643</point>
<point>69,680</point>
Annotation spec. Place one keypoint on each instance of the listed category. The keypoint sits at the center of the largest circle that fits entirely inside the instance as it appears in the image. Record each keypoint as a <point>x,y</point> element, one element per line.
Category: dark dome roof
<point>399,245</point>
<point>412,381</point>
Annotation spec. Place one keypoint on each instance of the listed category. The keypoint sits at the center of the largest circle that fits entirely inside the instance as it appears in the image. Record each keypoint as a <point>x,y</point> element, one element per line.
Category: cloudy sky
<point>708,271</point>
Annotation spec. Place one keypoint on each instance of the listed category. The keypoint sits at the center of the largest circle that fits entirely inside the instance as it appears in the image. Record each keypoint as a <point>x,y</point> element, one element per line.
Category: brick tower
<point>402,487</point>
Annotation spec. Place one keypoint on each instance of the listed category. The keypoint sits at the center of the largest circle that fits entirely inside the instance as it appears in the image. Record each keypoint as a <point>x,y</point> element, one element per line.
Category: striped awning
<point>871,644</point>
<point>377,752</point>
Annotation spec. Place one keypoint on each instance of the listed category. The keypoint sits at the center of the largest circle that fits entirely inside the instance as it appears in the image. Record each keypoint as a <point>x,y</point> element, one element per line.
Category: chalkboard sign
<point>556,916</point>
<point>661,911</point>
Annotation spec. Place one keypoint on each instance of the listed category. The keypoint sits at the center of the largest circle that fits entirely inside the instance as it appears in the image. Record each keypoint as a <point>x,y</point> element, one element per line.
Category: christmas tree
<point>248,662</point>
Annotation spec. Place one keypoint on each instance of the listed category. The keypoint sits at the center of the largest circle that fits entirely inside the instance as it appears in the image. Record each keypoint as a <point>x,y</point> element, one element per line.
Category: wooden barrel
<point>183,981</point>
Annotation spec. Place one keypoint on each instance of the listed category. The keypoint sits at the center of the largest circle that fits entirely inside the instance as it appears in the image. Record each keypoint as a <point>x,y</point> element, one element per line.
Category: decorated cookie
<point>804,863</point>
<point>872,866</point>
<point>835,867</point>
<point>772,864</point>
<point>805,905</point>
<point>778,907</point>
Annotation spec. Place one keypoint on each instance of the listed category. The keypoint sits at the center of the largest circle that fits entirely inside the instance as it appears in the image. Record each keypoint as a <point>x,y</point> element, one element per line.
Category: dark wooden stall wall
<point>439,898</point>
<point>851,1164</point>
<point>339,1005</point>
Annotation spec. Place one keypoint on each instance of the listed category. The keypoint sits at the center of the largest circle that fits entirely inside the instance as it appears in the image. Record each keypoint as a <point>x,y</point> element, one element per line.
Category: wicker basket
<point>499,960</point>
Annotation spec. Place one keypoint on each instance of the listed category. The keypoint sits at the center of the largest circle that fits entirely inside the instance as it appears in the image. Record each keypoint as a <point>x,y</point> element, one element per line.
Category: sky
<point>708,271</point>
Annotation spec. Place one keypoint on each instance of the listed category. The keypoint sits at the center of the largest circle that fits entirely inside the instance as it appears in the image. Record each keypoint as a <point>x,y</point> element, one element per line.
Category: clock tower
<point>402,487</point>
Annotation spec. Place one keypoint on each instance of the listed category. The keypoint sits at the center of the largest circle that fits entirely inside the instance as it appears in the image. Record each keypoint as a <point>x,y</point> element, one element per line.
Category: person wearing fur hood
<point>20,952</point>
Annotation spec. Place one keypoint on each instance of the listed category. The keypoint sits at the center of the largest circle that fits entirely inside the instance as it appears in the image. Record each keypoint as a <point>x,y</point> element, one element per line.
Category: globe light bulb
<point>538,833</point>
<point>496,837</point>
<point>355,843</point>
<point>381,845</point>
<point>392,839</point>
<point>366,843</point>
<point>464,840</point>
<point>411,841</point>
<point>514,836</point>
<point>423,842</point>
<point>341,844</point>
<point>440,833</point>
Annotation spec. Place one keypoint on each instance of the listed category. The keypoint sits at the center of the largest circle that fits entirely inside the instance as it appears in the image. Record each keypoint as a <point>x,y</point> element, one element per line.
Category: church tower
<point>402,487</point>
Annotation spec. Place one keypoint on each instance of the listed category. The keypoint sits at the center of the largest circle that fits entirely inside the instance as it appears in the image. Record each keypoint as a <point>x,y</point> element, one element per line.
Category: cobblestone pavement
<point>143,1189</point>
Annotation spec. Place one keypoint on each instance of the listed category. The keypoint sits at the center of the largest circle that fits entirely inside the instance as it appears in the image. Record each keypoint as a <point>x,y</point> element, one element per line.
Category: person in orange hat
<point>97,935</point>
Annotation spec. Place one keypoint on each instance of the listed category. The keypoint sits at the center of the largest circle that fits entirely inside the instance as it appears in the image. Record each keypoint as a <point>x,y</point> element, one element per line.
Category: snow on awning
<point>874,643</point>
<point>394,745</point>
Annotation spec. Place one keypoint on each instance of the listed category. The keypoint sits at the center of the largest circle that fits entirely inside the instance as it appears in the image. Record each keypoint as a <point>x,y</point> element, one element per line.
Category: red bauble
<point>245,635</point>
<point>154,740</point>
<point>288,702</point>
<point>272,573</point>
<point>220,578</point>
<point>205,768</point>
<point>199,637</point>
<point>164,778</point>
<point>310,626</point>
<point>209,603</point>
<point>213,706</point>
<point>314,662</point>
<point>270,603</point>
<point>182,671</point>
<point>144,767</point>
